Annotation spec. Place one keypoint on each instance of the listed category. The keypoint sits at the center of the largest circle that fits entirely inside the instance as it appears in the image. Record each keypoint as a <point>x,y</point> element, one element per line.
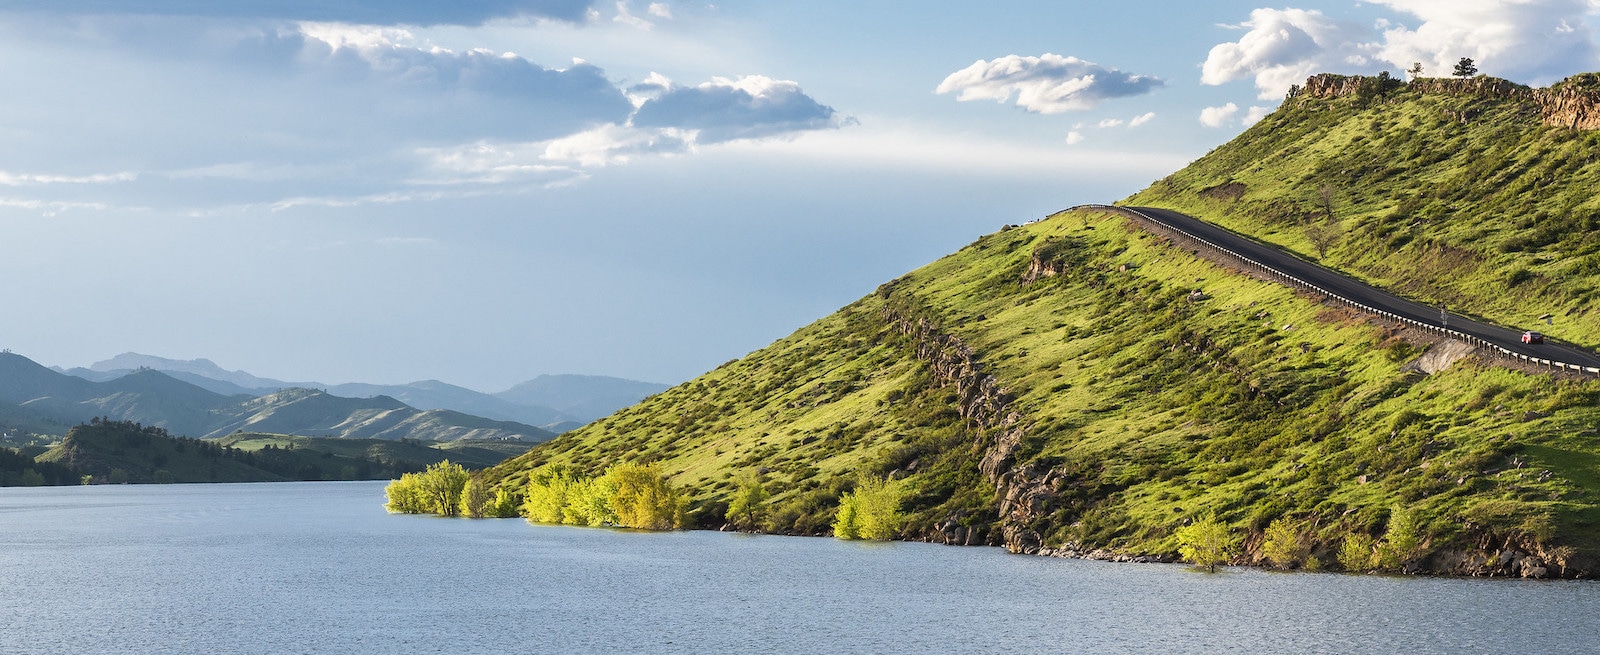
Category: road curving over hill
<point>1300,273</point>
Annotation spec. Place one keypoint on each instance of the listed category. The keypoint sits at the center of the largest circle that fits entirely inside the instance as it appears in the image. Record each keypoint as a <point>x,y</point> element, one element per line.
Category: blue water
<point>320,568</point>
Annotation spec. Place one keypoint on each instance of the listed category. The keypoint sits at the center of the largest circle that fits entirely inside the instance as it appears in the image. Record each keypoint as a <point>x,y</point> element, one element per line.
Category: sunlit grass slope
<point>1146,406</point>
<point>1463,200</point>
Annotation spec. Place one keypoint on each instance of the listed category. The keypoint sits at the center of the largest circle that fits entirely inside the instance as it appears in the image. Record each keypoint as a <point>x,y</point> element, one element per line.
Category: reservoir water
<point>321,568</point>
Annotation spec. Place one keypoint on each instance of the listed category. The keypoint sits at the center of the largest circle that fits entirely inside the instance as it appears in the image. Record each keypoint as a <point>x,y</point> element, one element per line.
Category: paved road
<point>1328,281</point>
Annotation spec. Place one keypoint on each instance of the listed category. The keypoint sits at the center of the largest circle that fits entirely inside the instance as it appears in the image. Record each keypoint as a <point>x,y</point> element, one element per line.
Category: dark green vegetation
<point>1080,386</point>
<point>37,402</point>
<point>121,451</point>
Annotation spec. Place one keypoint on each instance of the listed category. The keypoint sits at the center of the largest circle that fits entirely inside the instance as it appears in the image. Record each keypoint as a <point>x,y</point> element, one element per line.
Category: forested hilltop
<point>1080,386</point>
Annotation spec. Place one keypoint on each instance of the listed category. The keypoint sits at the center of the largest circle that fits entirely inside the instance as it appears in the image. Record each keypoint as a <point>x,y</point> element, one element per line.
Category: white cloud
<point>369,12</point>
<point>1527,40</point>
<point>1255,114</point>
<point>723,109</point>
<point>660,10</point>
<point>626,17</point>
<point>1074,137</point>
<point>1283,47</point>
<point>617,144</point>
<point>1141,119</point>
<point>1540,39</point>
<point>1047,84</point>
<point>1218,116</point>
<point>1109,122</point>
<point>36,179</point>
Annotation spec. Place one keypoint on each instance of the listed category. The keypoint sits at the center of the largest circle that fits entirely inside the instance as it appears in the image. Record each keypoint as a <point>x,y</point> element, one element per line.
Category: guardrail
<point>1293,281</point>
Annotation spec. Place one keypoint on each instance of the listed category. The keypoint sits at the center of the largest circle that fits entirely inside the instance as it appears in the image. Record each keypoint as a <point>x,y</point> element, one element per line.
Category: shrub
<point>1282,546</point>
<point>1206,543</point>
<point>1355,554</point>
<point>872,511</point>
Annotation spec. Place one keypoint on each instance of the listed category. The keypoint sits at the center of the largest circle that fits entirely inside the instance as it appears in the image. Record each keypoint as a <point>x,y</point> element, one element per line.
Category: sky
<point>386,191</point>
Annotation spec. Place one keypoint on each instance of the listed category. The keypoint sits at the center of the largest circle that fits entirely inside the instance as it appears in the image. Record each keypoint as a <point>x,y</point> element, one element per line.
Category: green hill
<point>121,451</point>
<point>1078,386</point>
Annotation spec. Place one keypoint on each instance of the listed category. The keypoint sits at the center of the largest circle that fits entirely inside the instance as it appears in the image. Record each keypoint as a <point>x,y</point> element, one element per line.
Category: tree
<point>474,499</point>
<point>1466,68</point>
<point>1416,70</point>
<point>643,498</point>
<point>872,511</point>
<point>1355,554</point>
<point>1206,543</point>
<point>405,495</point>
<point>749,503</point>
<point>1281,545</point>
<point>1402,539</point>
<point>441,486</point>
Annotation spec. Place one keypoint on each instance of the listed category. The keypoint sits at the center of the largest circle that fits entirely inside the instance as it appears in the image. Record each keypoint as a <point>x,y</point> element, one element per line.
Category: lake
<point>319,567</point>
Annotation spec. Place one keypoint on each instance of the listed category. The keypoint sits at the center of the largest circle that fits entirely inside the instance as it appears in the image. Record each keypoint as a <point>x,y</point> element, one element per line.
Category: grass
<point>1151,407</point>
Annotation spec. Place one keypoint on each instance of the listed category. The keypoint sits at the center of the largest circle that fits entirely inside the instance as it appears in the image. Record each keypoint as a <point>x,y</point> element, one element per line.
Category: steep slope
<point>1080,386</point>
<point>313,413</point>
<point>1474,194</point>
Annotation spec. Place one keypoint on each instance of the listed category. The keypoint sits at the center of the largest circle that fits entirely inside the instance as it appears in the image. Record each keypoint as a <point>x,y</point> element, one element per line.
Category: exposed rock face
<point>1025,492</point>
<point>1440,357</point>
<point>1572,103</point>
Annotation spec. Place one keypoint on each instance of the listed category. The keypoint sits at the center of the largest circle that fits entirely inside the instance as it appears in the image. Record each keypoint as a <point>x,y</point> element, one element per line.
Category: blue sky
<point>482,192</point>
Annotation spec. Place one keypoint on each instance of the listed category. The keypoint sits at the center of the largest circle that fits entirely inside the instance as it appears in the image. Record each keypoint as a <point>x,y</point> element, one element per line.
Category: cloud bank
<point>1527,40</point>
<point>365,12</point>
<point>1047,84</point>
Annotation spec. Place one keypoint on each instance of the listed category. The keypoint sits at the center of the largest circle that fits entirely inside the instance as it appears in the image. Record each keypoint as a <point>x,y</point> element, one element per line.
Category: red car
<point>1532,337</point>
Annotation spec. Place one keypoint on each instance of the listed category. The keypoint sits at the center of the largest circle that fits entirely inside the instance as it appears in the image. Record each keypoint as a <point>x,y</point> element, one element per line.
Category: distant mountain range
<point>555,402</point>
<point>36,398</point>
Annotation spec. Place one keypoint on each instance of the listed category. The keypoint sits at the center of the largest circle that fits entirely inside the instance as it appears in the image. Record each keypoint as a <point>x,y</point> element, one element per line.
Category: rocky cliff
<point>1572,103</point>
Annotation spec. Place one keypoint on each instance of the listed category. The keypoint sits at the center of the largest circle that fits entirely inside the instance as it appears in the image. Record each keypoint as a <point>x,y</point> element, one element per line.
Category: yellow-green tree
<point>1402,539</point>
<point>442,485</point>
<point>504,505</point>
<point>872,511</point>
<point>1355,554</point>
<point>405,495</point>
<point>1282,545</point>
<point>545,500</point>
<point>749,504</point>
<point>1206,543</point>
<point>474,499</point>
<point>641,497</point>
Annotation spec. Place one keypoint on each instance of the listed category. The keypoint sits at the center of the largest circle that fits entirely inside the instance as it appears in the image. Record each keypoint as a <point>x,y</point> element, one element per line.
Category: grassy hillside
<point>1461,199</point>
<point>1142,407</point>
<point>1080,386</point>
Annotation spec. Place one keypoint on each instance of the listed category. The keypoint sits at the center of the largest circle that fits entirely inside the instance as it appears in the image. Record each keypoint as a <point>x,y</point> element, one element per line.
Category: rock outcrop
<point>1571,103</point>
<point>1024,492</point>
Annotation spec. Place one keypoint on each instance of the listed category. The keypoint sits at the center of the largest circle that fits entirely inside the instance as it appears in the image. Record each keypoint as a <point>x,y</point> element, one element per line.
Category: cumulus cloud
<point>1218,116</point>
<point>660,10</point>
<point>1074,137</point>
<point>254,115</point>
<point>367,12</point>
<point>725,109</point>
<point>1254,115</point>
<point>1528,40</point>
<point>1141,119</point>
<point>460,94</point>
<point>1047,84</point>
<point>1525,39</point>
<point>1282,47</point>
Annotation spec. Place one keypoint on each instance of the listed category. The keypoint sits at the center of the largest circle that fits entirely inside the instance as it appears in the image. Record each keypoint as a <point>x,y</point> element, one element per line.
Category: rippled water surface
<point>320,568</point>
